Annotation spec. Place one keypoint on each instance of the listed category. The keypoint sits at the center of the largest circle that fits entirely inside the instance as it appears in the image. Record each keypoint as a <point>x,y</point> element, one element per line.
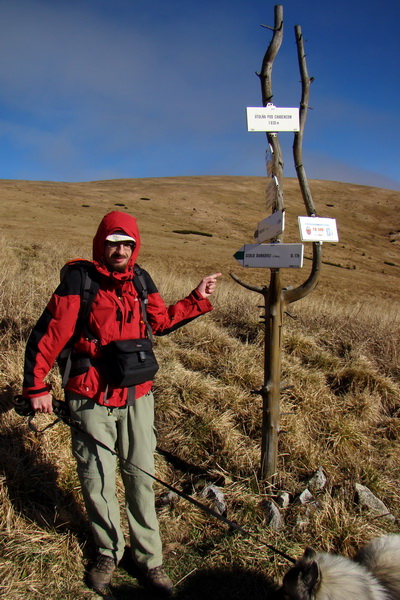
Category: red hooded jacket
<point>115,315</point>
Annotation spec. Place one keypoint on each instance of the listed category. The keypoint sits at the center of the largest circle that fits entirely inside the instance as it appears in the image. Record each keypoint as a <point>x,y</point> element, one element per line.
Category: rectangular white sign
<point>271,118</point>
<point>272,256</point>
<point>270,227</point>
<point>317,229</point>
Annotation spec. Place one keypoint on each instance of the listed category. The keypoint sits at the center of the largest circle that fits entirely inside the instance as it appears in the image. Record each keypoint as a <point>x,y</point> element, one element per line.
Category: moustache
<point>118,255</point>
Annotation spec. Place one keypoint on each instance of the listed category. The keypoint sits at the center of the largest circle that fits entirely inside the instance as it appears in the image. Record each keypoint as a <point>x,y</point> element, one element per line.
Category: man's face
<point>117,255</point>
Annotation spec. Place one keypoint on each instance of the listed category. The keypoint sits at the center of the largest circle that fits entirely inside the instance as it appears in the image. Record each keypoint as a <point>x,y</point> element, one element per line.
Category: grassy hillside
<point>341,358</point>
<point>228,209</point>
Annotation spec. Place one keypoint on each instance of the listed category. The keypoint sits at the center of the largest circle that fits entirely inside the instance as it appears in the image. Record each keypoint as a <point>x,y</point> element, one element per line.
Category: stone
<point>213,492</point>
<point>275,519</point>
<point>283,499</point>
<point>368,500</point>
<point>317,481</point>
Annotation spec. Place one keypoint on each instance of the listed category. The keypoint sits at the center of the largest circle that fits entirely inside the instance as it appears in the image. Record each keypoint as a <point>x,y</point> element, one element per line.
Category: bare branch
<point>298,136</point>
<point>253,288</point>
<point>269,56</point>
<point>292,295</point>
<point>266,88</point>
<point>300,292</point>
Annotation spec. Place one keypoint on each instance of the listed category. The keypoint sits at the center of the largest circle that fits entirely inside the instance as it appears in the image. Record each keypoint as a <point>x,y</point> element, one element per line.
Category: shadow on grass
<point>220,584</point>
<point>217,583</point>
<point>32,481</point>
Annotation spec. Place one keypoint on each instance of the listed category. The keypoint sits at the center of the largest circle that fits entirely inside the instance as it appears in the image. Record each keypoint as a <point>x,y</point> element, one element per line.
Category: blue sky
<point>104,89</point>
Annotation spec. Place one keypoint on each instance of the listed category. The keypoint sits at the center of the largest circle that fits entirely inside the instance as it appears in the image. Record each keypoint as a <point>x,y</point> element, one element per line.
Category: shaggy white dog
<point>373,575</point>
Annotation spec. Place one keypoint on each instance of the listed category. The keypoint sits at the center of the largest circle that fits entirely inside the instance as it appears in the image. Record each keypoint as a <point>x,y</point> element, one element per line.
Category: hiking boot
<point>101,572</point>
<point>157,580</point>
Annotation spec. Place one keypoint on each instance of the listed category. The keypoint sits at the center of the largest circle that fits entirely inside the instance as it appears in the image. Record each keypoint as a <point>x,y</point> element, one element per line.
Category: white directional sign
<point>316,229</point>
<point>272,256</point>
<point>271,118</point>
<point>270,227</point>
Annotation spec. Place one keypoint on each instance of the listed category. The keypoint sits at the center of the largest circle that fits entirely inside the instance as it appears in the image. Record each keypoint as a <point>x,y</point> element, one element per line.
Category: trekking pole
<point>23,408</point>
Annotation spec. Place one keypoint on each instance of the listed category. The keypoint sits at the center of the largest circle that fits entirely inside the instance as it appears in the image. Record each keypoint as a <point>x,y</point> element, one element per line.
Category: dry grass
<point>340,353</point>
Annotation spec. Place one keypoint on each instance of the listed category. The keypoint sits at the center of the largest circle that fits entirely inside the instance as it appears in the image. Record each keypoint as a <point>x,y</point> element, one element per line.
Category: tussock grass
<point>342,413</point>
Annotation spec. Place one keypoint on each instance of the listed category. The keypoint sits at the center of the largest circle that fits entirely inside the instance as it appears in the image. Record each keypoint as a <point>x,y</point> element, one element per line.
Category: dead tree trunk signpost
<point>276,298</point>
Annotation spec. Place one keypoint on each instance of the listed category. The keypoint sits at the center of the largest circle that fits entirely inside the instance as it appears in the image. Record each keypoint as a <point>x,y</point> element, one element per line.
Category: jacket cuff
<point>197,295</point>
<point>204,303</point>
<point>35,392</point>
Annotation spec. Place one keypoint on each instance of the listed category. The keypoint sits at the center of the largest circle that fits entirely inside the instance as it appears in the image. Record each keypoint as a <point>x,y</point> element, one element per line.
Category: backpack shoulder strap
<point>139,282</point>
<point>89,287</point>
<point>75,263</point>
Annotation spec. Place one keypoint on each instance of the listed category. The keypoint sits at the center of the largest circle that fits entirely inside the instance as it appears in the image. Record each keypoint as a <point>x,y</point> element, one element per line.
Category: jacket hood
<point>110,223</point>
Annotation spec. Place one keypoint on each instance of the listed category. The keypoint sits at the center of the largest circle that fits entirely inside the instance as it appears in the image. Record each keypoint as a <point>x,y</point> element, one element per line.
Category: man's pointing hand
<point>207,285</point>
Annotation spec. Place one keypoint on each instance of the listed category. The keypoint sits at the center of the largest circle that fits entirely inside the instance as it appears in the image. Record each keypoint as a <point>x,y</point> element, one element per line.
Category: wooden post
<point>270,392</point>
<point>276,299</point>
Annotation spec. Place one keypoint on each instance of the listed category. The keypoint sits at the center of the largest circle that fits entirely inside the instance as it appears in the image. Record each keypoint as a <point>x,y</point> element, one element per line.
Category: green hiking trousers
<point>130,431</point>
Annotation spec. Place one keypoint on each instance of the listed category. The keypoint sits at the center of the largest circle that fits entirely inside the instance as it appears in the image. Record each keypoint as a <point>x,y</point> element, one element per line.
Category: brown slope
<point>226,208</point>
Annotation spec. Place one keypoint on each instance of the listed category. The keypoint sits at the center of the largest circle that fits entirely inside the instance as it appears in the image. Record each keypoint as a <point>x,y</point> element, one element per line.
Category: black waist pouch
<point>129,362</point>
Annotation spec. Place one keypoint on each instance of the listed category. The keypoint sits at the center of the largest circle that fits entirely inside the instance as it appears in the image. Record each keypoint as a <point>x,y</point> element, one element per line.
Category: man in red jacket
<point>118,417</point>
